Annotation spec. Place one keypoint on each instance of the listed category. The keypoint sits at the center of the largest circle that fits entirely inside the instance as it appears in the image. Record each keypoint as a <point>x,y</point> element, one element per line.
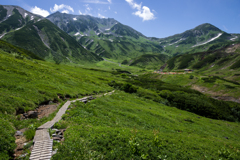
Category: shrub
<point>29,134</point>
<point>7,140</point>
<point>191,77</point>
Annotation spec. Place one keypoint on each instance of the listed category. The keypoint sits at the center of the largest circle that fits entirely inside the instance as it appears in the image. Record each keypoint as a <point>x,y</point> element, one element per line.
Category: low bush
<point>7,139</point>
<point>202,105</point>
<point>29,134</point>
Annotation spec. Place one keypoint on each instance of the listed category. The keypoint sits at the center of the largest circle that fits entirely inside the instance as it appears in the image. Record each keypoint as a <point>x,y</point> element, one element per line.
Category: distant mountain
<point>111,39</point>
<point>201,38</point>
<point>41,37</point>
<point>106,37</point>
<point>82,37</point>
<point>228,57</point>
<point>13,18</point>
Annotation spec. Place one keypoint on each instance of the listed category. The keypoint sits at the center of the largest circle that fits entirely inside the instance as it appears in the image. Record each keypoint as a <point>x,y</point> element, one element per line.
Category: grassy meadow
<point>126,126</point>
<point>146,117</point>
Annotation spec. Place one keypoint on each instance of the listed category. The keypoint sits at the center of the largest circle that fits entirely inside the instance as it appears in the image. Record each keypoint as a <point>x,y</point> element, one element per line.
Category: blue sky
<point>153,18</point>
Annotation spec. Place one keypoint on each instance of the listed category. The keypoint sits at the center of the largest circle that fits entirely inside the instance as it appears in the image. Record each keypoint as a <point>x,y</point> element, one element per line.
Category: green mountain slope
<point>49,42</point>
<point>41,37</point>
<point>157,114</point>
<point>225,58</point>
<point>149,61</point>
<point>199,39</point>
<point>17,51</point>
<point>111,39</point>
<point>13,18</point>
<point>106,37</point>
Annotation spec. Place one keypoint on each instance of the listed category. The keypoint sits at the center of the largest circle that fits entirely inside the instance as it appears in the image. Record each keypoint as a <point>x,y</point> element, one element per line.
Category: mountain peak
<point>207,27</point>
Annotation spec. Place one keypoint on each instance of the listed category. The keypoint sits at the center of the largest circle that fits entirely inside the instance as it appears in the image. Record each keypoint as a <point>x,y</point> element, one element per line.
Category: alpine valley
<point>140,103</point>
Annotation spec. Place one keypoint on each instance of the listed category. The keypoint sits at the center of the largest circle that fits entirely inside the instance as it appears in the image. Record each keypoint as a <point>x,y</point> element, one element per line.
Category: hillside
<point>43,38</point>
<point>49,42</point>
<point>46,62</point>
<point>13,18</point>
<point>149,61</point>
<point>26,84</point>
<point>221,59</point>
<point>198,39</point>
<point>111,39</point>
<point>106,37</point>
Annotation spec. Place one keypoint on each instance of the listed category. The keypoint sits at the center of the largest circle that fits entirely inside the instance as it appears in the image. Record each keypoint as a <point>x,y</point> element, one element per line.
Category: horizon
<point>144,16</point>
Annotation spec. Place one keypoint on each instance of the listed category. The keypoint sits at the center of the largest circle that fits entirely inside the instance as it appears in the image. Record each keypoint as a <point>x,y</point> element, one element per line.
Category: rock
<point>24,155</point>
<point>91,98</point>
<point>84,101</point>
<point>56,135</point>
<point>50,102</point>
<point>60,133</point>
<point>226,137</point>
<point>56,138</point>
<point>18,133</point>
<point>25,115</point>
<point>32,114</point>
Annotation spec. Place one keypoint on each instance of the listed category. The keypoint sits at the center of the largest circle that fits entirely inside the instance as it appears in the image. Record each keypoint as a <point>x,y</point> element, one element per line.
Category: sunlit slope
<point>49,42</point>
<point>224,59</point>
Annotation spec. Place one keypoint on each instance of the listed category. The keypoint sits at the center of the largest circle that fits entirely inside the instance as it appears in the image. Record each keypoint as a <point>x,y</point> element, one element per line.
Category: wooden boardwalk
<point>42,149</point>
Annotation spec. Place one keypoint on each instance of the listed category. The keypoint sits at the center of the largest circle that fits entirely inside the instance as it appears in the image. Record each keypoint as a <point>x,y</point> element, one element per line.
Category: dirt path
<point>42,148</point>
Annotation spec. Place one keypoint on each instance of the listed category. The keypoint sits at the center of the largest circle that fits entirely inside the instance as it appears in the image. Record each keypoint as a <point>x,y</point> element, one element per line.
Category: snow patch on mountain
<point>176,42</point>
<point>107,29</point>
<point>219,34</point>
<point>232,39</point>
<point>2,35</point>
<point>76,34</point>
<point>32,18</point>
<point>75,19</point>
<point>18,28</point>
<point>25,15</point>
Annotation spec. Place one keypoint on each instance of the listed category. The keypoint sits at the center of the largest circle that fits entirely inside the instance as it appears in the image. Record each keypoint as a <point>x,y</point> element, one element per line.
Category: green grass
<point>26,83</point>
<point>153,122</point>
<point>60,46</point>
<point>125,126</point>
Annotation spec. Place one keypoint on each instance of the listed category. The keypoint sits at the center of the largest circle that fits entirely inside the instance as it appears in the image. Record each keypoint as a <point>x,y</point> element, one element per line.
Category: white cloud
<point>134,5</point>
<point>101,16</point>
<point>109,7</point>
<point>87,7</point>
<point>87,10</point>
<point>96,1</point>
<point>80,12</point>
<point>39,11</point>
<point>65,11</point>
<point>60,7</point>
<point>115,12</point>
<point>110,1</point>
<point>143,12</point>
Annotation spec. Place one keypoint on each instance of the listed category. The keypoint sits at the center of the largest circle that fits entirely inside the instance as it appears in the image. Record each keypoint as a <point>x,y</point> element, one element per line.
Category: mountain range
<point>74,38</point>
